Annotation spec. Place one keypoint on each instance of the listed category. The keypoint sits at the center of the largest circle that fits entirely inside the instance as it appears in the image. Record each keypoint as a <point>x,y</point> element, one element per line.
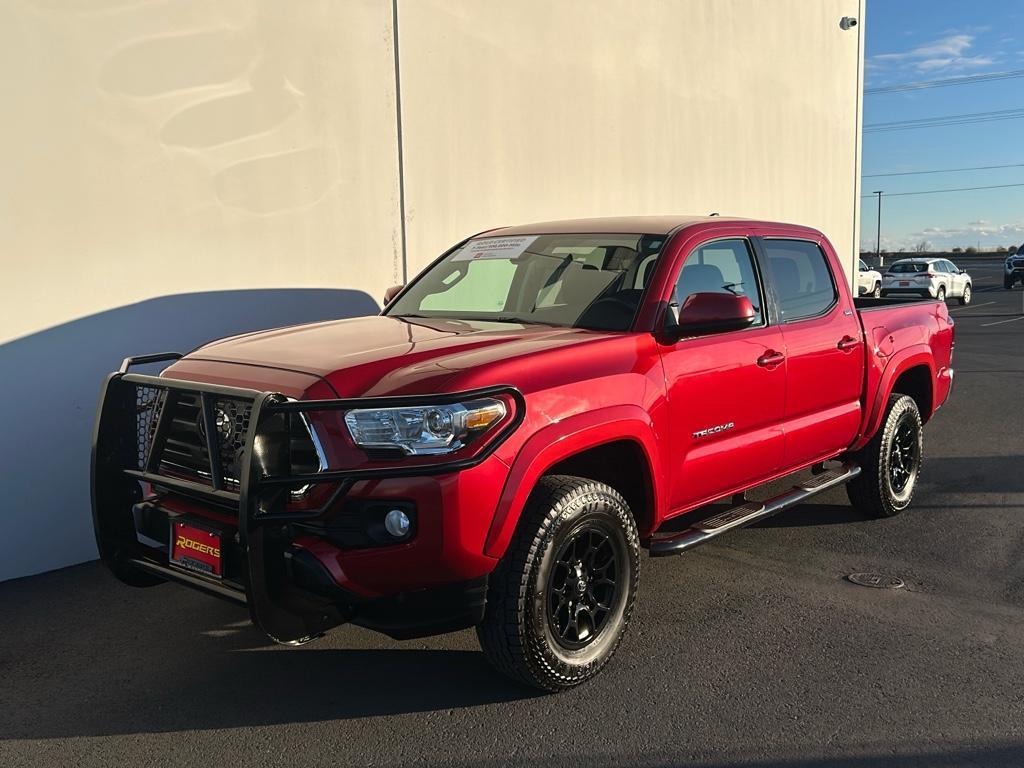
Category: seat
<point>699,278</point>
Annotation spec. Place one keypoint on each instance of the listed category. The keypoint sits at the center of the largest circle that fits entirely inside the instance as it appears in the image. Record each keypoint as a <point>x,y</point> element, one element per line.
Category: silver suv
<point>1013,269</point>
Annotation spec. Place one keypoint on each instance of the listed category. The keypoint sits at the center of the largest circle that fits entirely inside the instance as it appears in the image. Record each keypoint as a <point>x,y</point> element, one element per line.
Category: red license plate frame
<point>196,548</point>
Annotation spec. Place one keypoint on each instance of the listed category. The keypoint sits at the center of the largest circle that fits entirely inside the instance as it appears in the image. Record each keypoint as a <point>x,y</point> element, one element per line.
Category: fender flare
<point>561,440</point>
<point>902,361</point>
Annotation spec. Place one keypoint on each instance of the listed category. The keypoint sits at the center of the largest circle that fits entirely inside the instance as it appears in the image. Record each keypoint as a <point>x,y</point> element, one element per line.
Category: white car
<point>869,281</point>
<point>928,277</point>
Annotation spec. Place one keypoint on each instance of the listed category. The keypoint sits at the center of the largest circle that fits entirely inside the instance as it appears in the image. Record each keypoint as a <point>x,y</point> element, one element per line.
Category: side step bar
<point>751,512</point>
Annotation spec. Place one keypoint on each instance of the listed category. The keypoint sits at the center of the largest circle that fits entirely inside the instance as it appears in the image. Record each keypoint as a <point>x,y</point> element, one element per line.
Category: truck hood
<point>378,356</point>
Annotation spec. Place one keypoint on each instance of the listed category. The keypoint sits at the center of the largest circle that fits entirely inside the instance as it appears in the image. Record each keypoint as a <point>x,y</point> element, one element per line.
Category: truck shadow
<point>168,659</point>
<point>51,382</point>
<point>809,514</point>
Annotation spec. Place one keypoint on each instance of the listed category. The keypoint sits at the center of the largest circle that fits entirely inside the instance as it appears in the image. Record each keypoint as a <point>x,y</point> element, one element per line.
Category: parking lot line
<point>972,306</point>
<point>1000,322</point>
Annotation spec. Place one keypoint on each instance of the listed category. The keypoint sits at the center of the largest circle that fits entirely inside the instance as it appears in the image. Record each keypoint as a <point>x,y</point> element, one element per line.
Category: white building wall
<point>175,172</point>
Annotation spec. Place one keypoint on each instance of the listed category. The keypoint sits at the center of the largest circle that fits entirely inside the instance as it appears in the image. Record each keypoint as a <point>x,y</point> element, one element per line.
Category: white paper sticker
<point>494,248</point>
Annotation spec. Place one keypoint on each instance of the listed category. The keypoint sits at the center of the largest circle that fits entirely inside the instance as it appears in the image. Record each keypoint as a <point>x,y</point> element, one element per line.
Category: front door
<point>726,391</point>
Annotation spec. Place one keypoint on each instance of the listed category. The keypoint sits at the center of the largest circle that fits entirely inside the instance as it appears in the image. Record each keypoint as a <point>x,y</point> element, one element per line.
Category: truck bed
<point>867,302</point>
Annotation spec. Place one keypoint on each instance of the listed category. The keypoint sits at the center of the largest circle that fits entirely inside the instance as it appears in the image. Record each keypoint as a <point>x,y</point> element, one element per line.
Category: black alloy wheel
<point>583,586</point>
<point>904,455</point>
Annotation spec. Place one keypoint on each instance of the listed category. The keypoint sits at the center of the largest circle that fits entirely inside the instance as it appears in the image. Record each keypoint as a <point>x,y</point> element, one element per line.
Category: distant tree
<point>923,247</point>
<point>971,249</point>
<point>958,249</point>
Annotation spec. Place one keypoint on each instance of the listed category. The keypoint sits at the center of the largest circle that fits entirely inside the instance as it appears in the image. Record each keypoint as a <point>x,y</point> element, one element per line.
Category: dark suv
<point>1013,269</point>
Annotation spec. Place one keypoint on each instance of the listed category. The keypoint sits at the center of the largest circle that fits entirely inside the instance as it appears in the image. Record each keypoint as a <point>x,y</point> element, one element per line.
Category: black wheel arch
<point>623,465</point>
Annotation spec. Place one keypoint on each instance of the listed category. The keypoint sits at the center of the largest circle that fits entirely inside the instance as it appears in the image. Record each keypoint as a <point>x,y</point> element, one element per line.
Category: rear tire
<point>965,297</point>
<point>890,463</point>
<point>559,601</point>
<point>877,293</point>
<point>940,295</point>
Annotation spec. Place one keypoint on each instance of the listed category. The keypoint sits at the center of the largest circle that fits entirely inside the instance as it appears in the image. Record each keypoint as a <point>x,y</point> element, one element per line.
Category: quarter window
<point>723,266</point>
<point>801,277</point>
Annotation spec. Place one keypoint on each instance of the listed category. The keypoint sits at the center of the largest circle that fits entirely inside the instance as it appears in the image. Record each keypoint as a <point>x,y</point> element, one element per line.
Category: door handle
<point>771,357</point>
<point>847,342</point>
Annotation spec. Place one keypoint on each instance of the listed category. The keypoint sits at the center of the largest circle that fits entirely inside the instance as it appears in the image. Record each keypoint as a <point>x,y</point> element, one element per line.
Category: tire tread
<point>505,643</point>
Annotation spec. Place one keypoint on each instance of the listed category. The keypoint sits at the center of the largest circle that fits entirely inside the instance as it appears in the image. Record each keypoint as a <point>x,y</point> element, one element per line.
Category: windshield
<point>903,267</point>
<point>580,281</point>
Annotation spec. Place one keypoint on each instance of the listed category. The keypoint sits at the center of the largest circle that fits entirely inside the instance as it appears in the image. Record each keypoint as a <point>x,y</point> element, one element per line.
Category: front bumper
<point>293,569</point>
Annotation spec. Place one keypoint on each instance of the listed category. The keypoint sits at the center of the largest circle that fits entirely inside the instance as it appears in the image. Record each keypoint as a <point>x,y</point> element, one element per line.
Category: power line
<point>937,191</point>
<point>934,122</point>
<point>966,80</point>
<point>942,170</point>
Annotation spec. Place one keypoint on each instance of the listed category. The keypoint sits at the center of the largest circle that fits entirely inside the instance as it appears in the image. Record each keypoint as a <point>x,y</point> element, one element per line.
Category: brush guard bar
<point>282,611</point>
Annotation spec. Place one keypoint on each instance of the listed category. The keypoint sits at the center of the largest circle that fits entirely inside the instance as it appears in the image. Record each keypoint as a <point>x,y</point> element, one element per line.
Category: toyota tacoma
<point>497,448</point>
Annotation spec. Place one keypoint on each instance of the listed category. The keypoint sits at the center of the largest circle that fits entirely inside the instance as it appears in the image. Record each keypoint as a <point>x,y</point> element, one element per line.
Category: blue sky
<point>910,41</point>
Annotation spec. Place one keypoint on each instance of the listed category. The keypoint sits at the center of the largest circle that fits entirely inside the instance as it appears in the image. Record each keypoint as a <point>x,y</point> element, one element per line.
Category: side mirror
<point>711,312</point>
<point>391,292</point>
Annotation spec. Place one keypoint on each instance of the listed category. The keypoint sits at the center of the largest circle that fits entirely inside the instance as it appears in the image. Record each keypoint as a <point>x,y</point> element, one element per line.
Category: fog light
<point>396,522</point>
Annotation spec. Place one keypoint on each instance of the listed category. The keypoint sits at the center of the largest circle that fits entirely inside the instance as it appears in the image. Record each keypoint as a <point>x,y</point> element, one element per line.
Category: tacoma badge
<point>714,430</point>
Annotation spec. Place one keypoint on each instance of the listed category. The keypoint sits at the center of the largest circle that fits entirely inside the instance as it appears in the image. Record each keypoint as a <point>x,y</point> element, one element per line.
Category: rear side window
<point>908,267</point>
<point>802,279</point>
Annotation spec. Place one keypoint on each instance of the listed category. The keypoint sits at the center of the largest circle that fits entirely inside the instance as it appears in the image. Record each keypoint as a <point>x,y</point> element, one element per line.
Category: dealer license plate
<point>904,282</point>
<point>196,549</point>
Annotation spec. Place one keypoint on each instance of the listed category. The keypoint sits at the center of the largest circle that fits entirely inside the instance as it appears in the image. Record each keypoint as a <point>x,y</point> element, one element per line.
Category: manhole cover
<point>876,580</point>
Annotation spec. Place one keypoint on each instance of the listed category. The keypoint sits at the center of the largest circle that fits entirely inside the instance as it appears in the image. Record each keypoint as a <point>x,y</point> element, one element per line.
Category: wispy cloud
<point>947,52</point>
<point>989,234</point>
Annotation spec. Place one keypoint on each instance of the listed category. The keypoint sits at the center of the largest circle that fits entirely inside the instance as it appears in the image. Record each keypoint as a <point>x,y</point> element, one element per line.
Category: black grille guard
<point>263,485</point>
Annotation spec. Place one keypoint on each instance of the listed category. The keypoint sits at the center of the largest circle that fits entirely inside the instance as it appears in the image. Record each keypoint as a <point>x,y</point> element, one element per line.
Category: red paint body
<point>820,391</point>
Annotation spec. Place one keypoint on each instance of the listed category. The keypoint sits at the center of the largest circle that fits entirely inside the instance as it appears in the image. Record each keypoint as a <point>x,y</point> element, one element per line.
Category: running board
<point>751,512</point>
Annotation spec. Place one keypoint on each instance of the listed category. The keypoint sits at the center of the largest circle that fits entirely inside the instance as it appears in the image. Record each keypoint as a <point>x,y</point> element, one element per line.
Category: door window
<point>722,266</point>
<point>801,277</point>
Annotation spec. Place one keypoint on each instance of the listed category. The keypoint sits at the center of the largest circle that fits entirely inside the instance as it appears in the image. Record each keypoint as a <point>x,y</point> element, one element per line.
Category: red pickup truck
<point>498,446</point>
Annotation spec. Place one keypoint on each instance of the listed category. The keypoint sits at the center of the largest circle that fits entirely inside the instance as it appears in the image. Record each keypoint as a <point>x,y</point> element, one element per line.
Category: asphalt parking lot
<point>752,650</point>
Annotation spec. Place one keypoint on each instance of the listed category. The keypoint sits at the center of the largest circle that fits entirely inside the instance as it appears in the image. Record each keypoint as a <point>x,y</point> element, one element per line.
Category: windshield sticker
<point>494,248</point>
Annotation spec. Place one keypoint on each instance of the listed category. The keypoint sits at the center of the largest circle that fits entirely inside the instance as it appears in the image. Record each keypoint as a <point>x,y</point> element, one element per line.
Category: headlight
<point>423,430</point>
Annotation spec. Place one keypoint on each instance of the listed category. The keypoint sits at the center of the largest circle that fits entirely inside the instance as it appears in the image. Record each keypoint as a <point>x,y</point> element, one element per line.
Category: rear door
<point>725,390</point>
<point>957,280</point>
<point>863,278</point>
<point>824,349</point>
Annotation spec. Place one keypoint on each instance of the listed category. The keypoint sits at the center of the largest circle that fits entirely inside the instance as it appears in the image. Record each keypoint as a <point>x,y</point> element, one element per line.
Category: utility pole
<point>878,235</point>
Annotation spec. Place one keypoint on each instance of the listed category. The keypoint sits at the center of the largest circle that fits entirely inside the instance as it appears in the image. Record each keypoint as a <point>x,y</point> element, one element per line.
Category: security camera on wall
<point>847,22</point>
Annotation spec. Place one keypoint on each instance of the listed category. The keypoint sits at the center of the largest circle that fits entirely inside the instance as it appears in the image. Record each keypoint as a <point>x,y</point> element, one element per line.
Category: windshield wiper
<point>513,319</point>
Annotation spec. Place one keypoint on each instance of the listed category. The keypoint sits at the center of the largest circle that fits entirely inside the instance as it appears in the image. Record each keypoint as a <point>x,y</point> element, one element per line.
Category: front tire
<point>965,297</point>
<point>877,293</point>
<point>890,463</point>
<point>1007,283</point>
<point>559,601</point>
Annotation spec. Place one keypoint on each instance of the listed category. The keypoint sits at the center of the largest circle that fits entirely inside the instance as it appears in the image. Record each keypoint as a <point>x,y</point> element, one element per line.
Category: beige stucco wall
<point>537,110</point>
<point>176,171</point>
<point>157,148</point>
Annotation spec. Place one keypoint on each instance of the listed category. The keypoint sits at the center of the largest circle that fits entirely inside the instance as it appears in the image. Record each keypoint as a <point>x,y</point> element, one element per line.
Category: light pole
<point>878,235</point>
